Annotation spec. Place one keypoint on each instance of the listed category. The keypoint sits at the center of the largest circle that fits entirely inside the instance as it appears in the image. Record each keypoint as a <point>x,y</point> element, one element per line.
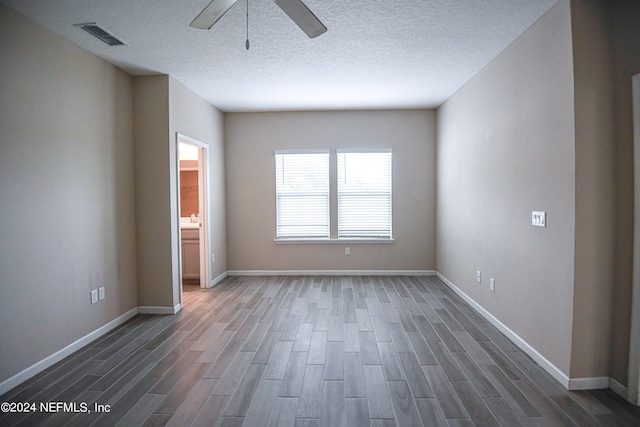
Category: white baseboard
<point>569,383</point>
<point>147,309</point>
<point>218,279</point>
<point>620,390</point>
<point>594,383</point>
<point>331,272</point>
<point>48,361</point>
<point>553,370</point>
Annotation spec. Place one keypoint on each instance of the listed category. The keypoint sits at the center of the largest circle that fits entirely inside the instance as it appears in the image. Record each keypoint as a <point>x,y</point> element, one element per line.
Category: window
<point>364,194</point>
<point>358,180</point>
<point>302,194</point>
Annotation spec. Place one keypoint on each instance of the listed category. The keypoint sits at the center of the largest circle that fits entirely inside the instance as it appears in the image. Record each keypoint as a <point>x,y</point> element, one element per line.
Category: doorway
<point>193,208</point>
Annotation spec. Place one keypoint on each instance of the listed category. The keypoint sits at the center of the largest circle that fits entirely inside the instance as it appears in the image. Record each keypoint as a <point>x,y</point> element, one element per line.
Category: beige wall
<point>626,51</point>
<point>192,116</point>
<point>153,203</point>
<point>251,139</point>
<point>595,191</point>
<point>506,148</point>
<point>67,222</point>
<point>164,107</point>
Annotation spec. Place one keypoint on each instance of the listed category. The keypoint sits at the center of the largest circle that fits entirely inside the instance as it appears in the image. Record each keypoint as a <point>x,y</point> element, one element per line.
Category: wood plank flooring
<point>310,351</point>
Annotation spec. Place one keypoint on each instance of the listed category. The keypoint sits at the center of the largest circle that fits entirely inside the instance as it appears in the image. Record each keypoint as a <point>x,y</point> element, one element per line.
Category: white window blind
<point>364,194</point>
<point>302,194</point>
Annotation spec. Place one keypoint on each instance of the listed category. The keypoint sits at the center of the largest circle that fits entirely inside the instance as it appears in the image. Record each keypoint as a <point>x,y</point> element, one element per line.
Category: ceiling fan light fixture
<point>303,17</point>
<point>295,9</point>
<point>211,14</point>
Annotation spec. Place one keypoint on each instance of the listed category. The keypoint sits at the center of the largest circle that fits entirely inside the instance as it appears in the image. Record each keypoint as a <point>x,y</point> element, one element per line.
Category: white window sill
<point>331,241</point>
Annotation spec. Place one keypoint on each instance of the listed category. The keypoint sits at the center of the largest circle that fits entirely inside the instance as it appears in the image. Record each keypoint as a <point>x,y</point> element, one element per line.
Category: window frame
<point>333,200</point>
<point>279,194</point>
<point>345,232</point>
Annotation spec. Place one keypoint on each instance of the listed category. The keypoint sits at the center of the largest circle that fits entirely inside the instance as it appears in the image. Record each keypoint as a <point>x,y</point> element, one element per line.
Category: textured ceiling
<point>375,54</point>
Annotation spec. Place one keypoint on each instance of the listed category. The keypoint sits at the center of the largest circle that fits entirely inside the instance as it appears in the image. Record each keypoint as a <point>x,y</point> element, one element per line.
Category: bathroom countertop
<point>189,225</point>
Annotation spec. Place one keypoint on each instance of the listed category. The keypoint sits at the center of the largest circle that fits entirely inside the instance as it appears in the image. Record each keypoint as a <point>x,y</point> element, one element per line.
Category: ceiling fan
<point>297,11</point>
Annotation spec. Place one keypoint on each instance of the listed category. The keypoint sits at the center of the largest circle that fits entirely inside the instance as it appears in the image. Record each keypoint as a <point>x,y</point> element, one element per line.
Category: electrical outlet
<point>101,293</point>
<point>213,258</point>
<point>478,276</point>
<point>347,251</point>
<point>94,296</point>
<point>492,285</point>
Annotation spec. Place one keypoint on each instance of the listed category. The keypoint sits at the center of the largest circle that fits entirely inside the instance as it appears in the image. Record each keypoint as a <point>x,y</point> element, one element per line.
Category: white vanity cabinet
<point>190,254</point>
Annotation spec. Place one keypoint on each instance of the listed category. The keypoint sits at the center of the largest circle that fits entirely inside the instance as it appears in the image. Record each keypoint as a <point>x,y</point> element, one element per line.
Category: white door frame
<point>203,202</point>
<point>633,389</point>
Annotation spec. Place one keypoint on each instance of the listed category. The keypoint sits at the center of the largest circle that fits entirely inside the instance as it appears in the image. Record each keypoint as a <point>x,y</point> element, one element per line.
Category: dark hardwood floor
<point>311,351</point>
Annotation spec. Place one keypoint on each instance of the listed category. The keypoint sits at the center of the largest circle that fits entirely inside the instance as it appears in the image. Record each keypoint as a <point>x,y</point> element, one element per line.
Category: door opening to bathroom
<point>193,212</point>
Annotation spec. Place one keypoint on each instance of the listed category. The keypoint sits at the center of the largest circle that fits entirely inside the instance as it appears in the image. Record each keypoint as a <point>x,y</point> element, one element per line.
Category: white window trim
<point>321,151</point>
<point>388,151</point>
<point>351,241</point>
<point>333,239</point>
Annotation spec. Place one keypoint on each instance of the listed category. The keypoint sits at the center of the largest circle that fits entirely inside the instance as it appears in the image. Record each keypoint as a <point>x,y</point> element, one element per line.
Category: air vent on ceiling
<point>101,34</point>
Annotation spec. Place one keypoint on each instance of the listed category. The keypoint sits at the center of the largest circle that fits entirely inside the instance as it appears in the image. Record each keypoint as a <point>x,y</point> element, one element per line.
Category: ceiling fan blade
<point>302,16</point>
<point>211,14</point>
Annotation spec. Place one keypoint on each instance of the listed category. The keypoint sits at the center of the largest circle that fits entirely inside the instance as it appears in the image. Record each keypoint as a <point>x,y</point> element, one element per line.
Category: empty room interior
<point>423,213</point>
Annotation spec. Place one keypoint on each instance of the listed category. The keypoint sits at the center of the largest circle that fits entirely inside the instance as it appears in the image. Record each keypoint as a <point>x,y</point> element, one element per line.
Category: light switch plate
<point>539,219</point>
<point>94,296</point>
<point>101,293</point>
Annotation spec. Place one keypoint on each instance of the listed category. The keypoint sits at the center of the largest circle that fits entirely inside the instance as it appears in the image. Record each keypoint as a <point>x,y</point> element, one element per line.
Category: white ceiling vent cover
<point>101,34</point>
